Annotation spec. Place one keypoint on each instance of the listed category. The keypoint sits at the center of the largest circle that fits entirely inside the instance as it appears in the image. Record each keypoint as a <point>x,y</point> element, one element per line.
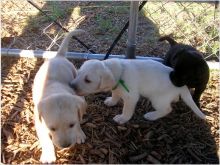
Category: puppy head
<point>93,77</point>
<point>187,63</point>
<point>61,115</point>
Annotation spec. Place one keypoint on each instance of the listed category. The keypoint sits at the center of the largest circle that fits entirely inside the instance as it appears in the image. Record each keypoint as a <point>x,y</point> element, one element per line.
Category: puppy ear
<point>178,56</point>
<point>81,107</point>
<point>175,80</point>
<point>39,110</point>
<point>172,77</point>
<point>106,81</point>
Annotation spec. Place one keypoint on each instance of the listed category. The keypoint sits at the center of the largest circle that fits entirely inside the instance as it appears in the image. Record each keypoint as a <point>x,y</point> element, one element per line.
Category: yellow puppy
<point>58,110</point>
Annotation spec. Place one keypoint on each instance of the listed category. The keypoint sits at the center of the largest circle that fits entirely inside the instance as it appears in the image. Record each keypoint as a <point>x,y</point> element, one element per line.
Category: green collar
<point>120,81</point>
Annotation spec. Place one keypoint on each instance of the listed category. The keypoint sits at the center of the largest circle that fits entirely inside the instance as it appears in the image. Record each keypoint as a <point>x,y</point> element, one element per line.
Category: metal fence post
<point>133,21</point>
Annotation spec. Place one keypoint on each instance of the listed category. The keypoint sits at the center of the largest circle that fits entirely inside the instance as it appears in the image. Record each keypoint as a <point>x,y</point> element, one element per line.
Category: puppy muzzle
<point>76,89</point>
<point>66,145</point>
<point>73,86</point>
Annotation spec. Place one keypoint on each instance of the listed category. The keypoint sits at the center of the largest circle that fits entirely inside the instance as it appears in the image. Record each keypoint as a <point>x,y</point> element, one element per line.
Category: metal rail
<point>81,56</point>
<point>70,55</point>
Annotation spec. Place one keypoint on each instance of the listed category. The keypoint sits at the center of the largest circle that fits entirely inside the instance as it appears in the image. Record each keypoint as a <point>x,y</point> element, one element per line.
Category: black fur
<point>189,67</point>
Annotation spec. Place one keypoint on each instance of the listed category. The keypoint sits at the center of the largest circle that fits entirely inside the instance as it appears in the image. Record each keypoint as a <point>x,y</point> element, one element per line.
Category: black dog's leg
<point>197,94</point>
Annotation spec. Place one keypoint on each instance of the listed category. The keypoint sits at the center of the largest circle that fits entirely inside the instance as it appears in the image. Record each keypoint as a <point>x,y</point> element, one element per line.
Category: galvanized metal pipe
<point>76,55</point>
<point>133,20</point>
<point>70,55</point>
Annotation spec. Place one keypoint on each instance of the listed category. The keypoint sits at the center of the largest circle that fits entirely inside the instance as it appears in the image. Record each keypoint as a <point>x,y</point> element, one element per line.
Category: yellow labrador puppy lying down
<point>58,110</point>
<point>130,79</point>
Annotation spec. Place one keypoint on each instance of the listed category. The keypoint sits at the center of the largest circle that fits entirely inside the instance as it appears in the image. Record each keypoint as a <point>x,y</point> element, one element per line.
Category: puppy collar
<point>121,82</point>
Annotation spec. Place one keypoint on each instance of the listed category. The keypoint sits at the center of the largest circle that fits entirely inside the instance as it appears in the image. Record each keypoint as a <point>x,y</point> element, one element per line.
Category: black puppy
<point>189,67</point>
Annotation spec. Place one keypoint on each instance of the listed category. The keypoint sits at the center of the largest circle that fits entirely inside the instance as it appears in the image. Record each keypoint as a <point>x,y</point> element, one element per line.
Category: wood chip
<point>8,134</point>
<point>210,118</point>
<point>82,159</point>
<point>174,160</point>
<point>34,145</point>
<point>148,136</point>
<point>113,142</point>
<point>156,155</point>
<point>121,128</point>
<point>91,125</point>
<point>135,125</point>
<point>97,152</point>
<point>104,151</point>
<point>193,154</point>
<point>138,157</point>
<point>153,160</point>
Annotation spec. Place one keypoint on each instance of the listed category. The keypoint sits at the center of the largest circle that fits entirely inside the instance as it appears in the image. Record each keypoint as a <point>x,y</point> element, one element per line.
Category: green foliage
<point>55,11</point>
<point>106,25</point>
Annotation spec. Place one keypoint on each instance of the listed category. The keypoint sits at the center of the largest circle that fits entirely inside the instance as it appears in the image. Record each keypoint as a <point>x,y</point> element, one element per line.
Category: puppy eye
<point>87,80</point>
<point>52,129</point>
<point>71,125</point>
<point>50,136</point>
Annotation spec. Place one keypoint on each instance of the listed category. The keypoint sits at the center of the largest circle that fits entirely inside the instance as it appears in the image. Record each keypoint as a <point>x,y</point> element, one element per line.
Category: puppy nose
<point>66,145</point>
<point>73,85</point>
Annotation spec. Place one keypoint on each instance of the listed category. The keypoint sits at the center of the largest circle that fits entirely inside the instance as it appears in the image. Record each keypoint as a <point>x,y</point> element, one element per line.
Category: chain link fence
<point>194,23</point>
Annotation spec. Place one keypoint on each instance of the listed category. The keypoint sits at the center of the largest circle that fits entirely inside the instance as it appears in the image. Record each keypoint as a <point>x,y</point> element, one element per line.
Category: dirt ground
<point>180,137</point>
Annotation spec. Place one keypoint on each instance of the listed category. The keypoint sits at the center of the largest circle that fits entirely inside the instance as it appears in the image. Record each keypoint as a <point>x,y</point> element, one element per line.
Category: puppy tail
<point>187,98</point>
<point>171,41</point>
<point>64,46</point>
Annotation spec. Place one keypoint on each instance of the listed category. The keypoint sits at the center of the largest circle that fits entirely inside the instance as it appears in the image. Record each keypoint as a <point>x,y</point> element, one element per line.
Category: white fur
<point>56,105</point>
<point>143,78</point>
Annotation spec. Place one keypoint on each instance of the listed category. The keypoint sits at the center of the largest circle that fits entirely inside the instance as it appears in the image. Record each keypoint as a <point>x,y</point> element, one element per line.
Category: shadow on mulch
<point>179,137</point>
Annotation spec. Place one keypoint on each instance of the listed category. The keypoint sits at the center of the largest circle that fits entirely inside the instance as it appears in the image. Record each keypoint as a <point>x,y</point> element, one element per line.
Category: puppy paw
<point>109,102</point>
<point>48,157</point>
<point>120,119</point>
<point>151,116</point>
<point>80,137</point>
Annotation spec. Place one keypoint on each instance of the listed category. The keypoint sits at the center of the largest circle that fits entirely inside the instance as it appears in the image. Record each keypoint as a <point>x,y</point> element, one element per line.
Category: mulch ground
<point>180,137</point>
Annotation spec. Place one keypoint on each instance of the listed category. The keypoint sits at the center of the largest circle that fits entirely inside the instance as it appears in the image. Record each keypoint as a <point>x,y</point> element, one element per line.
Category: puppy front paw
<point>151,116</point>
<point>80,137</point>
<point>110,102</point>
<point>121,119</point>
<point>48,157</point>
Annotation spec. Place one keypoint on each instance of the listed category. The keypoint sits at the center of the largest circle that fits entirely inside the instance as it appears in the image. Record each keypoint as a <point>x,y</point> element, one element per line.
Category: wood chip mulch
<point>180,137</point>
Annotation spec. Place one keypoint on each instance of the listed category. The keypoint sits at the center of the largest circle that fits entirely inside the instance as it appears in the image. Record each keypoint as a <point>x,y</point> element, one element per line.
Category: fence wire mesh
<point>194,23</point>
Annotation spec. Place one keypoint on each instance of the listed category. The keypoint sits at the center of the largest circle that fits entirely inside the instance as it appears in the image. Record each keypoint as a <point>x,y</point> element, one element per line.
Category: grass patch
<point>55,11</point>
<point>106,25</point>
